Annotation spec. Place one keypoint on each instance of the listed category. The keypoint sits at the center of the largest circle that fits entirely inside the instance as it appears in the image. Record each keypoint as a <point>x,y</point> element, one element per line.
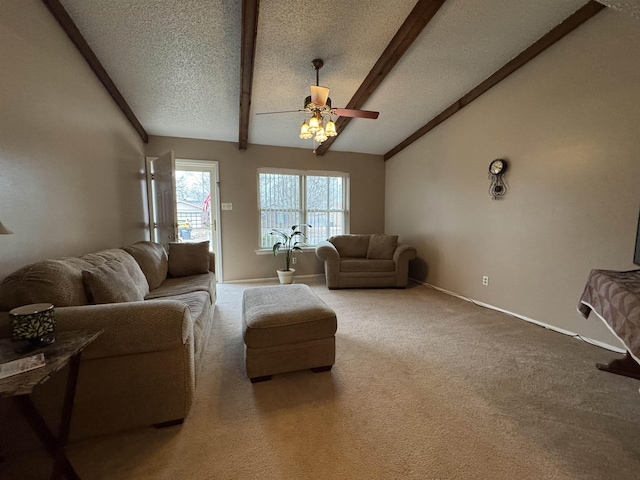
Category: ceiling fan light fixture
<point>305,134</point>
<point>314,124</point>
<point>320,125</point>
<point>320,135</point>
<point>330,129</point>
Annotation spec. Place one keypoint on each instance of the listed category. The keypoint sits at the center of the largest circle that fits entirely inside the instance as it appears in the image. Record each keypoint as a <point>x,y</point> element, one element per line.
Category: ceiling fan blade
<point>282,111</point>
<point>348,112</point>
<point>319,95</point>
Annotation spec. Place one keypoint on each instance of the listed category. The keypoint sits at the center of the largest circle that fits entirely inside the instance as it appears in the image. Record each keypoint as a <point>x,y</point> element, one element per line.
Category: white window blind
<point>288,197</point>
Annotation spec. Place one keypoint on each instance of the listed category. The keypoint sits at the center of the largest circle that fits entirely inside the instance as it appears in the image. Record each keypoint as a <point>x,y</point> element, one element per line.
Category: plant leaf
<point>280,234</point>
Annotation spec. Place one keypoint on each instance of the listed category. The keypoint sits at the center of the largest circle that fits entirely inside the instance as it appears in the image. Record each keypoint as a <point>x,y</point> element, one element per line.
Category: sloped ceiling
<point>177,64</point>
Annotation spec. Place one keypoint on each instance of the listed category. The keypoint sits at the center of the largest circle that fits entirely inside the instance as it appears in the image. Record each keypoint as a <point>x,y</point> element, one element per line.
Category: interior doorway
<point>190,198</point>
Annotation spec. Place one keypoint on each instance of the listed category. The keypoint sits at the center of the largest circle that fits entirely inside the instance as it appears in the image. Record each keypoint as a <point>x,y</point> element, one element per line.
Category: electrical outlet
<point>485,280</point>
<point>294,260</point>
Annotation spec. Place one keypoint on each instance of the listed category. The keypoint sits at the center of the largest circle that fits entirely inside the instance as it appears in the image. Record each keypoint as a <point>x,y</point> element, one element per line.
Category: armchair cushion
<point>351,245</point>
<point>366,265</point>
<point>381,247</point>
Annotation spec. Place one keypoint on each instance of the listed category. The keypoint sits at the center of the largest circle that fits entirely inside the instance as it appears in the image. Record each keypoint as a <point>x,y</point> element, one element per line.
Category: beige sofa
<point>365,261</point>
<point>155,311</point>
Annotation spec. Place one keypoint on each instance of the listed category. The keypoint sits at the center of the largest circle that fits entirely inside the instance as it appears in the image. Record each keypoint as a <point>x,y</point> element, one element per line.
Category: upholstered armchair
<point>365,261</point>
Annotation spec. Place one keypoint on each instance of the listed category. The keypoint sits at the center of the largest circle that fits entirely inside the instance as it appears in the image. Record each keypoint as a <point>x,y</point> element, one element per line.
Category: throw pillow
<point>152,259</point>
<point>188,258</point>
<point>353,245</point>
<point>381,247</point>
<point>110,283</point>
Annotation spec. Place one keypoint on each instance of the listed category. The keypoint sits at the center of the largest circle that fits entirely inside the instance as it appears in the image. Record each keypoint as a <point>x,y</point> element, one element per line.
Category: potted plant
<point>288,242</point>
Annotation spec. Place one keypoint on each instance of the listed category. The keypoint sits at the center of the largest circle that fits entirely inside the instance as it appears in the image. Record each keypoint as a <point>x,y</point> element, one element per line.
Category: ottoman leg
<point>260,379</point>
<point>326,368</point>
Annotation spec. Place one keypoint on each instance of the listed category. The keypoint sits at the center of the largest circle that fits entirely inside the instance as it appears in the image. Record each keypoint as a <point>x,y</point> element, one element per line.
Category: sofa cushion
<point>110,283</point>
<point>179,286</point>
<point>119,255</point>
<point>53,281</point>
<point>381,247</point>
<point>354,265</point>
<point>188,258</point>
<point>351,245</point>
<point>152,259</point>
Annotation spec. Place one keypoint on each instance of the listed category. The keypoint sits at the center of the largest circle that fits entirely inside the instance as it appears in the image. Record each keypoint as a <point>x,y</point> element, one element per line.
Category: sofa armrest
<point>401,256</point>
<point>327,252</point>
<point>130,327</point>
<point>404,253</point>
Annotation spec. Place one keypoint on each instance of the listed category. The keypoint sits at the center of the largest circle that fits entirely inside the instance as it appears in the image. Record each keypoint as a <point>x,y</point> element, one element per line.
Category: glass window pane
<point>317,193</point>
<point>281,205</point>
<point>193,203</point>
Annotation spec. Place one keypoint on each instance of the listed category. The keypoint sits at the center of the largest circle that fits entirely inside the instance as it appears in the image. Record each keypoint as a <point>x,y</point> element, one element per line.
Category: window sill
<point>269,251</point>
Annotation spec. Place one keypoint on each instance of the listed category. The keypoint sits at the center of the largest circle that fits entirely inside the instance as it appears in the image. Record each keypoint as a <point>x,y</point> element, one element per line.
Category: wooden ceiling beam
<point>70,28</point>
<point>419,17</point>
<point>248,52</point>
<point>568,25</point>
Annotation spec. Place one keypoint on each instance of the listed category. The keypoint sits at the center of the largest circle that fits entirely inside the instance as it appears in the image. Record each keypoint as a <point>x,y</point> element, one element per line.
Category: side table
<point>67,348</point>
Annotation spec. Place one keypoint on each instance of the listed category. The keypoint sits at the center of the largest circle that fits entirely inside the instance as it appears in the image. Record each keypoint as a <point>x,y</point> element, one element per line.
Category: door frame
<point>208,165</point>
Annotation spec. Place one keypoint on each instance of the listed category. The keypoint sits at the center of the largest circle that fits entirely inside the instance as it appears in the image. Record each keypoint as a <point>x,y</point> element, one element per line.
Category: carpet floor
<point>425,386</point>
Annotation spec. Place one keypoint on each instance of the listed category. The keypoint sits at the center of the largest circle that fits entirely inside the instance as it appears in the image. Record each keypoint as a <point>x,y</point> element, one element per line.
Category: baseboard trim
<point>588,340</point>
<point>267,279</point>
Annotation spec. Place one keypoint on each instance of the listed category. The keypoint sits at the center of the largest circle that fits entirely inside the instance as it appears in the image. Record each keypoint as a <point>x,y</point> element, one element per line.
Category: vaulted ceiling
<point>181,67</point>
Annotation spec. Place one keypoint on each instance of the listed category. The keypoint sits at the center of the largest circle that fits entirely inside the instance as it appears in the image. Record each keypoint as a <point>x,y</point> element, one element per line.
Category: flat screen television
<point>636,257</point>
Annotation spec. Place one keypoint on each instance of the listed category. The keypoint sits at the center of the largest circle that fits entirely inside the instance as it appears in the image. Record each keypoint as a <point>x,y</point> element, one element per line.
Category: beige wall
<point>238,185</point>
<point>70,162</point>
<point>568,124</point>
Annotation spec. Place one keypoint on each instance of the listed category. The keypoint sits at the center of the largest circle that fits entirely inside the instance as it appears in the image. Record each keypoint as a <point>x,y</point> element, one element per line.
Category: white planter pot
<point>286,276</point>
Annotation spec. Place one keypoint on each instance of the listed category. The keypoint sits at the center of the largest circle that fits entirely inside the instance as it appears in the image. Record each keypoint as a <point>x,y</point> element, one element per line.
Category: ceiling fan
<point>320,124</point>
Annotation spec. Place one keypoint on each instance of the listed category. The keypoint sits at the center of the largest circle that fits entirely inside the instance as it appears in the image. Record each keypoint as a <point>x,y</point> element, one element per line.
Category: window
<point>292,197</point>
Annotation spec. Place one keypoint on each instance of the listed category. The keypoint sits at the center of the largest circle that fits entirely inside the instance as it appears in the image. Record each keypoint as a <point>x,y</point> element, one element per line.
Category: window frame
<point>302,179</point>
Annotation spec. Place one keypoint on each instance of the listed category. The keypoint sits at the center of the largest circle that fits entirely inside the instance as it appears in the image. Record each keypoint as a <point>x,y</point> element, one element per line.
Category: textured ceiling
<point>352,37</point>
<point>177,64</point>
<point>631,7</point>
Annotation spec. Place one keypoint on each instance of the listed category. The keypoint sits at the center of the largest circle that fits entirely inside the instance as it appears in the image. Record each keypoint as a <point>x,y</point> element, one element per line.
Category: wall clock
<point>496,174</point>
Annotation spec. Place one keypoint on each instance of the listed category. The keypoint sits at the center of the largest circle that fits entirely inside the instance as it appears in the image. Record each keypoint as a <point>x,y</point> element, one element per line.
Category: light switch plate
<point>227,206</point>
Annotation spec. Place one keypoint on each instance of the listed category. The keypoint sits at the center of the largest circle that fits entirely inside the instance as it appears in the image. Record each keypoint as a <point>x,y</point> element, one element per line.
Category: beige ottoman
<point>286,328</point>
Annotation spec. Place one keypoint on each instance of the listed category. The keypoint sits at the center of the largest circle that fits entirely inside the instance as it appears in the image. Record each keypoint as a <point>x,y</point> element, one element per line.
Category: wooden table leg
<point>55,445</point>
